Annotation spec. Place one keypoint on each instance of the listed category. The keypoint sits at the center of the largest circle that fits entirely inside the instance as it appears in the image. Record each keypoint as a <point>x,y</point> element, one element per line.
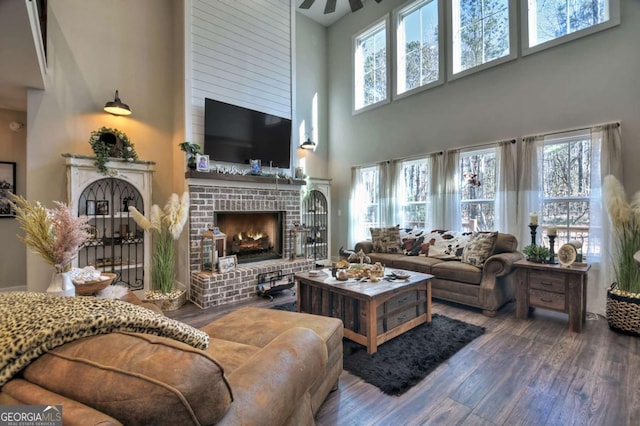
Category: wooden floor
<point>533,372</point>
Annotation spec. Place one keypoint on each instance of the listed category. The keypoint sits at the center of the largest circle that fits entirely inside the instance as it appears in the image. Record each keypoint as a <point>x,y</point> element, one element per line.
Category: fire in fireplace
<point>252,236</point>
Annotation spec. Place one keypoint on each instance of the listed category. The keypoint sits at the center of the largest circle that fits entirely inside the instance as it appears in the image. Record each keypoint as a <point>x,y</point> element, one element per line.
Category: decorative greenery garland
<point>104,150</point>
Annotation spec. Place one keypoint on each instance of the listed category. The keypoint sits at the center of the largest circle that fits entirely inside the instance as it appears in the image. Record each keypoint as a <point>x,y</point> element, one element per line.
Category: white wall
<point>311,88</point>
<point>94,48</point>
<point>13,148</point>
<point>588,81</point>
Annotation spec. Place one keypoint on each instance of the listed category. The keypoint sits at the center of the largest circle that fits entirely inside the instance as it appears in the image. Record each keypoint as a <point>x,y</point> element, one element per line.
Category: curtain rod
<point>558,132</point>
<point>481,145</point>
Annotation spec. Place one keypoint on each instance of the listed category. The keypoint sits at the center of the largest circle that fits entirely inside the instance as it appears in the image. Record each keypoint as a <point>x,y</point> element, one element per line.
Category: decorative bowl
<point>400,275</point>
<point>89,288</point>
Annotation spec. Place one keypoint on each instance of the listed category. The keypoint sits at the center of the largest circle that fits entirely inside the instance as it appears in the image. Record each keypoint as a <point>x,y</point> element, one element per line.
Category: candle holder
<point>552,257</point>
<point>533,233</point>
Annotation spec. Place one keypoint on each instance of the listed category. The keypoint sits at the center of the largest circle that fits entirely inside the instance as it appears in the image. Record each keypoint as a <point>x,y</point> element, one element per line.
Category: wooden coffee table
<point>372,313</point>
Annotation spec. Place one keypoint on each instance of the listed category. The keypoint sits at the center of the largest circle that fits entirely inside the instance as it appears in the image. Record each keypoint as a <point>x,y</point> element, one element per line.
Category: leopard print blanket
<point>33,323</point>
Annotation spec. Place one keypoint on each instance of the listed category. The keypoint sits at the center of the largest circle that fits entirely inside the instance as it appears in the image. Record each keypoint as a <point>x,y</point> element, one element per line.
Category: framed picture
<point>102,207</point>
<point>7,186</point>
<point>227,263</point>
<point>202,163</point>
<point>256,167</point>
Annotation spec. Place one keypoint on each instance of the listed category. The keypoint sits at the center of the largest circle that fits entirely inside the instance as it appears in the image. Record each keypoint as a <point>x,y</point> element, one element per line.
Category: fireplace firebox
<point>252,236</point>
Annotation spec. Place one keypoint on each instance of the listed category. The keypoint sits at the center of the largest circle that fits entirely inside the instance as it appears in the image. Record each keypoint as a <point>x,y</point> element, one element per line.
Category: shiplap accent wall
<point>240,54</point>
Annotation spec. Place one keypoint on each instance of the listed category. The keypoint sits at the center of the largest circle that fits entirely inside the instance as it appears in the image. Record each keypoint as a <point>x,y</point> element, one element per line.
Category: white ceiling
<point>19,65</point>
<point>316,11</point>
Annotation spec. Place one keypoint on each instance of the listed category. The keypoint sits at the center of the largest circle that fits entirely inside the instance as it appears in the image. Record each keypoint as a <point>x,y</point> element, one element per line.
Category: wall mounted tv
<point>236,135</point>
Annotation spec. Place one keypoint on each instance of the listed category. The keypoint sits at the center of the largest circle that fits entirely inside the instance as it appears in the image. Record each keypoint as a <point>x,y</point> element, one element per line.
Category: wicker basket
<point>623,313</point>
<point>89,288</point>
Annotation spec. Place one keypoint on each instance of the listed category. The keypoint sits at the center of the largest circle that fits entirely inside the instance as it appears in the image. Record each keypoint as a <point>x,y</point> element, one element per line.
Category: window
<point>552,22</point>
<point>412,190</point>
<point>478,189</point>
<point>566,187</point>
<point>482,33</point>
<point>418,46</point>
<point>365,202</point>
<point>370,66</point>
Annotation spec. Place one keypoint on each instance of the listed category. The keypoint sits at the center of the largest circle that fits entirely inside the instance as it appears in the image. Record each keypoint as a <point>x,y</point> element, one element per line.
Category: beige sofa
<point>488,287</point>
<point>262,366</point>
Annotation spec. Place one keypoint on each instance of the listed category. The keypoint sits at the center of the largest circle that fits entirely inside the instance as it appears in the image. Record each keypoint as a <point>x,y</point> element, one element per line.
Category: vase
<point>623,313</point>
<point>61,285</point>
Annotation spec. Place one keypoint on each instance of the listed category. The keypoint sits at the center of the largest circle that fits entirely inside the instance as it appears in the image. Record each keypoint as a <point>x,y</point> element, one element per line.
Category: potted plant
<point>192,150</point>
<point>55,234</point>
<point>111,143</point>
<point>536,253</point>
<point>623,297</point>
<point>165,226</point>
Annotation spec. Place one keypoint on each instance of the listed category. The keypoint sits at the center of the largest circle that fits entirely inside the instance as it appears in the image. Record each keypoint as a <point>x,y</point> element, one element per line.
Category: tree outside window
<point>412,193</point>
<point>418,45</point>
<point>566,175</point>
<point>481,32</point>
<point>478,189</point>
<point>370,74</point>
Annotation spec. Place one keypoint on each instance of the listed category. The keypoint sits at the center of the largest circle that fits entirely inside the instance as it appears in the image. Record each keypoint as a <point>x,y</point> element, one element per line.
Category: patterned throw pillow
<point>386,240</point>
<point>479,248</point>
<point>447,245</point>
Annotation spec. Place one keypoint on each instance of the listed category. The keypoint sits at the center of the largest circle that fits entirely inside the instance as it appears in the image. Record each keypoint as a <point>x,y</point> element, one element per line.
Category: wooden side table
<point>554,287</point>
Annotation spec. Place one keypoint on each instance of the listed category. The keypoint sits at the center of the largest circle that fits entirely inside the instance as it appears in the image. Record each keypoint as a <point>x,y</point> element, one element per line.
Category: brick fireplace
<point>213,194</point>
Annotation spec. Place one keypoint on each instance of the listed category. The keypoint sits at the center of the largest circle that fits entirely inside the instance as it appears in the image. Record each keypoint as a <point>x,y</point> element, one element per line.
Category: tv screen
<point>236,135</point>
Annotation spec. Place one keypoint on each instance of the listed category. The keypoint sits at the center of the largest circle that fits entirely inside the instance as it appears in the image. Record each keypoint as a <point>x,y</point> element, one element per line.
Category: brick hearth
<point>210,195</point>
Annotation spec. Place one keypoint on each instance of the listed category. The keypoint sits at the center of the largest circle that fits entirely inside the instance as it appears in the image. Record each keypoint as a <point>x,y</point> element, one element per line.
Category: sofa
<point>260,366</point>
<point>487,284</point>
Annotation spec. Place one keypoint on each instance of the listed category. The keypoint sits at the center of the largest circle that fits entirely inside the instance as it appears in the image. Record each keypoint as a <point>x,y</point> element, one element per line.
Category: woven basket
<point>90,288</point>
<point>623,313</point>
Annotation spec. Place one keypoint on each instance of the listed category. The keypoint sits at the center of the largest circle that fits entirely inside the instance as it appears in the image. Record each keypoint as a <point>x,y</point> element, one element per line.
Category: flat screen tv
<point>236,135</point>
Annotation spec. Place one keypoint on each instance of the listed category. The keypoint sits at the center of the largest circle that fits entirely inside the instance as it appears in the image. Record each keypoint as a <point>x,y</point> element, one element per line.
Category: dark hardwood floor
<point>533,372</point>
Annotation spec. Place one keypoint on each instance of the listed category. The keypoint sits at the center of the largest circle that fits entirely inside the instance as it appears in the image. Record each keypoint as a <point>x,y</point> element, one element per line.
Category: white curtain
<point>606,160</point>
<point>435,198</point>
<point>452,216</point>
<point>385,196</point>
<point>530,188</point>
<point>359,201</point>
<point>506,188</point>
<point>356,208</point>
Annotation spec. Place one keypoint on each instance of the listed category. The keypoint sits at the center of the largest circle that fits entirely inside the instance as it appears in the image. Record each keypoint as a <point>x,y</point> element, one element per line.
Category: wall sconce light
<point>308,144</point>
<point>117,107</point>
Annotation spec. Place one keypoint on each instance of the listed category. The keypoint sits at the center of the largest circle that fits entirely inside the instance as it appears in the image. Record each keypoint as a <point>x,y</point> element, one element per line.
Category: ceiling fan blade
<point>330,7</point>
<point>306,4</point>
<point>355,5</point>
<point>378,1</point>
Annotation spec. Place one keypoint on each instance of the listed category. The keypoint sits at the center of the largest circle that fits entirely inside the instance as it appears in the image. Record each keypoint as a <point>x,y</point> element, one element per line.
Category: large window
<point>551,22</point>
<point>412,190</point>
<point>418,46</point>
<point>365,202</point>
<point>478,189</point>
<point>566,187</point>
<point>482,32</point>
<point>370,66</point>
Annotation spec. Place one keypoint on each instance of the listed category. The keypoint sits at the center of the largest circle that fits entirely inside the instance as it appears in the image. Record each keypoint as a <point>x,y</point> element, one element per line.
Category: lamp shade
<point>308,144</point>
<point>117,107</point>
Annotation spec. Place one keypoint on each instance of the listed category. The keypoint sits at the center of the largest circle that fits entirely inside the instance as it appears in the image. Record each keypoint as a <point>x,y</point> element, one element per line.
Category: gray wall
<point>311,79</point>
<point>588,81</point>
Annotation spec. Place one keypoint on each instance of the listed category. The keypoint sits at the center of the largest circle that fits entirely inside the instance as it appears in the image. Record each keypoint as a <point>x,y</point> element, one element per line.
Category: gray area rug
<point>404,361</point>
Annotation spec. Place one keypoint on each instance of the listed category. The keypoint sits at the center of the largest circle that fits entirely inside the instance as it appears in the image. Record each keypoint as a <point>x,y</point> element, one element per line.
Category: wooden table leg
<point>372,327</point>
<point>428,301</point>
<point>522,301</point>
<point>575,303</point>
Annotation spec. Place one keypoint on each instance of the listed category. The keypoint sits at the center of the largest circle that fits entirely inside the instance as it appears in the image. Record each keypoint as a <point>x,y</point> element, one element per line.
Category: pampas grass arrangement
<point>55,234</point>
<point>166,226</point>
<point>625,220</point>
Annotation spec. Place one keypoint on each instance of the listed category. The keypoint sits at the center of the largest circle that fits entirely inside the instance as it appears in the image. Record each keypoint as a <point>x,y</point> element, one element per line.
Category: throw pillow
<point>386,240</point>
<point>479,248</point>
<point>447,245</point>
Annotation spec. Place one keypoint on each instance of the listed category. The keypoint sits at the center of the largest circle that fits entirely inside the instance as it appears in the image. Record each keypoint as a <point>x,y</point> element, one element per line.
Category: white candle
<point>552,231</point>
<point>533,218</point>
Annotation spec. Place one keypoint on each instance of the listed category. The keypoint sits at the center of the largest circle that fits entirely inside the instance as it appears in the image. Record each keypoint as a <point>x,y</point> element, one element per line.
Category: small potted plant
<point>192,150</point>
<point>536,253</point>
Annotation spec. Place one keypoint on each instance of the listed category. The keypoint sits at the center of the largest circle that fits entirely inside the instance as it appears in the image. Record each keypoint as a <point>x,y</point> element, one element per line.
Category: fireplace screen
<point>252,236</point>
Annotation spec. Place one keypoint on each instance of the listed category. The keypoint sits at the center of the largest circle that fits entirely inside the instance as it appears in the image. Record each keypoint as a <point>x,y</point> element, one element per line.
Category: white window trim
<point>614,20</point>
<point>370,29</point>
<point>513,44</point>
<point>441,48</point>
